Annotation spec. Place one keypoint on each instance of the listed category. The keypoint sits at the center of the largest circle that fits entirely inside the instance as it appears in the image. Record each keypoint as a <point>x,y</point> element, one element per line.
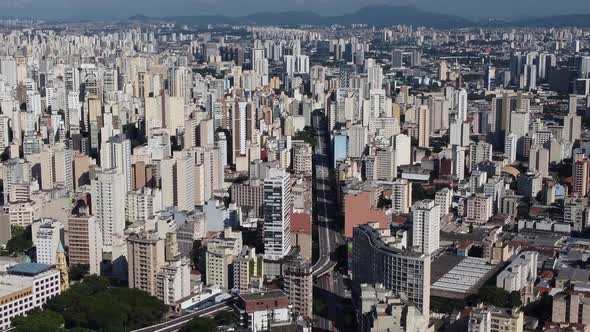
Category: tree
<point>200,324</point>
<point>21,240</point>
<point>93,305</point>
<point>225,318</point>
<point>419,193</point>
<point>540,309</point>
<point>514,299</point>
<point>79,271</point>
<point>499,297</point>
<point>39,321</point>
<point>307,135</point>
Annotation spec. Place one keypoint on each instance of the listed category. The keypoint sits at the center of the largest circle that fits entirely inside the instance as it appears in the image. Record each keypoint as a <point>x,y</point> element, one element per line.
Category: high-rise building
<point>173,282</point>
<point>116,154</point>
<point>581,177</point>
<point>444,199</point>
<point>4,132</point>
<point>397,59</point>
<point>423,126</point>
<point>569,307</point>
<point>145,256</point>
<point>218,260</point>
<point>108,204</point>
<point>298,281</point>
<point>426,226</point>
<point>510,145</point>
<point>84,241</point>
<point>375,261</point>
<point>401,196</point>
<point>479,152</point>
<point>302,158</point>
<point>63,167</point>
<point>403,149</point>
<point>539,160</point>
<point>462,105</point>
<point>47,240</point>
<point>385,168</point>
<point>479,208</point>
<point>248,271</point>
<point>458,154</point>
<point>277,214</point>
<point>459,133</point>
<point>357,140</point>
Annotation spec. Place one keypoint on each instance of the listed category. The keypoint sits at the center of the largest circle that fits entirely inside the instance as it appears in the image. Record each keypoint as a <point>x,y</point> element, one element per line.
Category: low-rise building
<point>262,310</point>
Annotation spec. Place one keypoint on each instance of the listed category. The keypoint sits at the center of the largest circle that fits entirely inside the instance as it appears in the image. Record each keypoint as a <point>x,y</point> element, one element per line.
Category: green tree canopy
<point>200,324</point>
<point>499,297</point>
<point>21,240</point>
<point>39,321</point>
<point>93,305</point>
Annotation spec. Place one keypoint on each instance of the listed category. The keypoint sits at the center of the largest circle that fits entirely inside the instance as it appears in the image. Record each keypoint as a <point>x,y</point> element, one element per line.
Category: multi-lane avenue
<point>329,237</point>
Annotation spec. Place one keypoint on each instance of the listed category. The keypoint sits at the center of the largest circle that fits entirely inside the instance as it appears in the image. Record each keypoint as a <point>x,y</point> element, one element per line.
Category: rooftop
<point>273,294</point>
<point>29,269</point>
<point>454,276</point>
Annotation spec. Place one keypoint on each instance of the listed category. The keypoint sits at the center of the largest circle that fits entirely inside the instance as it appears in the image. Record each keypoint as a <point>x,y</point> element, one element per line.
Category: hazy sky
<point>85,9</point>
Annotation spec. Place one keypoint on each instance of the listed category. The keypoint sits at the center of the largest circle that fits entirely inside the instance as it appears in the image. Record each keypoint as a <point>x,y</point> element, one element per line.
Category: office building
<point>277,214</point>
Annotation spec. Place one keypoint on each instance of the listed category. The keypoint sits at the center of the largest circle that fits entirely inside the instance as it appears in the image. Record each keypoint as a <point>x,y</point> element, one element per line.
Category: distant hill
<point>376,15</point>
<point>380,15</point>
<point>577,20</point>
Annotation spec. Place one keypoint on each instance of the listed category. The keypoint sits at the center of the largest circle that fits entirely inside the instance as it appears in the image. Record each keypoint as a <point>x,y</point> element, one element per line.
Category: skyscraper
<point>277,214</point>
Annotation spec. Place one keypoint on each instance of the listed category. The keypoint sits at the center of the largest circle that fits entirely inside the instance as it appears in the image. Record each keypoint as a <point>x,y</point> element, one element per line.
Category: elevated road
<point>323,195</point>
<point>177,323</point>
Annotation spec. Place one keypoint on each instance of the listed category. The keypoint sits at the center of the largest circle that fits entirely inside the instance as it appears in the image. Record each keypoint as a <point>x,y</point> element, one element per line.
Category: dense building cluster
<point>345,177</point>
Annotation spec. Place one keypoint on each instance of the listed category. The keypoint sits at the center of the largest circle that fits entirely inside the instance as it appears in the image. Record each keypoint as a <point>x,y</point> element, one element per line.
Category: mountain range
<point>375,15</point>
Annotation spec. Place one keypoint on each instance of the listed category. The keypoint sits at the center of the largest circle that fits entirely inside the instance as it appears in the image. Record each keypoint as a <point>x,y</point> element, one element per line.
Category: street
<point>329,286</point>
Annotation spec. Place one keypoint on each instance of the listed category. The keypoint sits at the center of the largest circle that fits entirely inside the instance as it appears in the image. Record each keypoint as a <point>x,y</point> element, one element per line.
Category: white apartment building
<point>521,272</point>
<point>426,226</point>
<point>26,287</point>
